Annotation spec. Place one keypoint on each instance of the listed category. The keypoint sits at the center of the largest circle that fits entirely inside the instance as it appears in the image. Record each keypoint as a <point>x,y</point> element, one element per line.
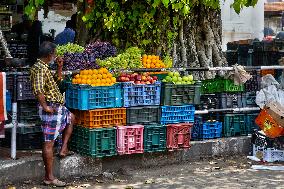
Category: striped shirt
<point>44,82</point>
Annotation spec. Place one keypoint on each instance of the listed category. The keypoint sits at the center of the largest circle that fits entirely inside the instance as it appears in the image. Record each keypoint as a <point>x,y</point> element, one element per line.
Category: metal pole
<point>14,119</point>
<point>227,110</point>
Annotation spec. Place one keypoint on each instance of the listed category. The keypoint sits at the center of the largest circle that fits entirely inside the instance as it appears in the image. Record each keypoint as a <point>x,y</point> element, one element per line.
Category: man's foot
<point>64,155</point>
<point>55,182</point>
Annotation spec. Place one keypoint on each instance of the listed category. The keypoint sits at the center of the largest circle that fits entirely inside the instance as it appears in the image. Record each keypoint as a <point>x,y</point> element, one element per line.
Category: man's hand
<point>59,61</point>
<point>48,109</point>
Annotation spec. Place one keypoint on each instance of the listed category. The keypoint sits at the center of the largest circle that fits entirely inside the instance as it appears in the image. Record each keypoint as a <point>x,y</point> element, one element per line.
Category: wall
<point>55,20</point>
<point>273,23</point>
<point>249,24</point>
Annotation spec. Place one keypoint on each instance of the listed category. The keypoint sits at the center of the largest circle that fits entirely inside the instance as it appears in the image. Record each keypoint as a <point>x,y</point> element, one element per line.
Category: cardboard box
<point>276,111</point>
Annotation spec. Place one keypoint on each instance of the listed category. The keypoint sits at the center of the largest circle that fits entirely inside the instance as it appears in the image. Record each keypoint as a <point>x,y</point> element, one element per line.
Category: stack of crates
<point>143,132</point>
<point>98,110</point>
<point>177,112</point>
<point>30,136</point>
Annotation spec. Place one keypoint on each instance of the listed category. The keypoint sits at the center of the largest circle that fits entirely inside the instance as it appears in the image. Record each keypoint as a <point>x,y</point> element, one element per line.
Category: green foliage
<point>150,24</point>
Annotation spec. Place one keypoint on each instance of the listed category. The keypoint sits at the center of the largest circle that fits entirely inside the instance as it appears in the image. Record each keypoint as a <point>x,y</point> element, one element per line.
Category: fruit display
<point>69,48</point>
<point>100,50</point>
<point>168,61</point>
<point>94,77</point>
<point>175,77</point>
<point>152,61</point>
<point>79,61</point>
<point>136,78</point>
<point>131,58</point>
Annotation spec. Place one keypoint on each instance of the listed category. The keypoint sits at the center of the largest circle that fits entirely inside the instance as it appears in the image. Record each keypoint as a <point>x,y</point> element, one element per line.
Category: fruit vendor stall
<point>128,102</point>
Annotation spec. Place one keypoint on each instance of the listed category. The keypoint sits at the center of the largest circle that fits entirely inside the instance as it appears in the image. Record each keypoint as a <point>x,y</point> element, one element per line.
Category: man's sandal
<point>55,182</point>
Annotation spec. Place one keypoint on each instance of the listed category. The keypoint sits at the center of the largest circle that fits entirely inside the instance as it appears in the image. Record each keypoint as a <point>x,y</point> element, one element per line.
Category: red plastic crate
<point>101,117</point>
<point>130,139</point>
<point>178,136</point>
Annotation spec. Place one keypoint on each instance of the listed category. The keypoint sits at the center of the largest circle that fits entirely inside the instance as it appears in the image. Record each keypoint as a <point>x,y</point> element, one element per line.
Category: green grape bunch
<point>131,58</point>
<point>69,48</point>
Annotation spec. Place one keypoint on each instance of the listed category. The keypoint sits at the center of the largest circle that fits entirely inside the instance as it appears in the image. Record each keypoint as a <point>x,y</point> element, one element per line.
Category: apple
<point>176,74</point>
<point>127,79</point>
<point>193,82</point>
<point>179,79</point>
<point>144,78</point>
<point>123,74</point>
<point>155,77</point>
<point>184,78</point>
<point>164,81</point>
<point>189,82</point>
<point>171,74</point>
<point>132,79</point>
<point>169,79</point>
<point>142,82</point>
<point>190,78</point>
<point>148,82</point>
<point>178,83</point>
<point>184,82</point>
<point>138,77</point>
<point>174,79</point>
<point>153,81</point>
<point>137,82</point>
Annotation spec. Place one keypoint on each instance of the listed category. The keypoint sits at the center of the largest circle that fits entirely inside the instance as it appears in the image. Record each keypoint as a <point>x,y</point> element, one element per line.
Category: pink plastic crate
<point>178,136</point>
<point>130,139</point>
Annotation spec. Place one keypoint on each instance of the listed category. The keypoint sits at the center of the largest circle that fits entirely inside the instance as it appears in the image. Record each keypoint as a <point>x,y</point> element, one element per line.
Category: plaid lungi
<point>53,124</point>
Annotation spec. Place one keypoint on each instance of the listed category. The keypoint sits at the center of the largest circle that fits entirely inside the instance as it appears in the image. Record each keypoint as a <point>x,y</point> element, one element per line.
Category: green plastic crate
<point>219,85</point>
<point>155,138</point>
<point>238,124</point>
<point>94,142</point>
<point>160,76</point>
<point>229,86</point>
<point>176,95</point>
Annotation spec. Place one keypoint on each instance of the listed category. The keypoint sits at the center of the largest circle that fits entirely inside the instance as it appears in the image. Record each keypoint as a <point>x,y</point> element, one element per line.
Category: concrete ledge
<point>32,167</point>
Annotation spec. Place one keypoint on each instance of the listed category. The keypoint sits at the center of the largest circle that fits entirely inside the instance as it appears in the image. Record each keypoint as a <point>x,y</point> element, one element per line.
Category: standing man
<point>67,36</point>
<point>56,118</point>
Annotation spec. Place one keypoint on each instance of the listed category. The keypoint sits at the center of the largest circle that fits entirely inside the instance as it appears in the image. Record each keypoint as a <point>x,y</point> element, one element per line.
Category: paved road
<point>218,173</point>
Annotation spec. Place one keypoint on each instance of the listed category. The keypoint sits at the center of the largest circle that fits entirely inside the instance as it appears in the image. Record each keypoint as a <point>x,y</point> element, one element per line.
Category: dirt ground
<point>234,172</point>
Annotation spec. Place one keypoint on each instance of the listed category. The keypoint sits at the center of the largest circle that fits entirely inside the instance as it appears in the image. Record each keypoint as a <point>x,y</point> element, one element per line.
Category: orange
<point>104,76</point>
<point>82,72</point>
<point>79,80</point>
<point>74,81</point>
<point>157,58</point>
<point>113,79</point>
<point>77,76</point>
<point>84,77</point>
<point>89,81</point>
<point>95,72</point>
<point>148,61</point>
<point>154,61</point>
<point>148,66</point>
<point>109,75</point>
<point>108,80</point>
<point>158,65</point>
<point>84,81</point>
<point>98,81</point>
<point>99,76</point>
<point>144,56</point>
<point>103,70</point>
<point>89,76</point>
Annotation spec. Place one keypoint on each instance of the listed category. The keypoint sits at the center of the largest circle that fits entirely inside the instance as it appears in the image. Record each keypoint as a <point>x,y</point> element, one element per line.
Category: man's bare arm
<point>42,102</point>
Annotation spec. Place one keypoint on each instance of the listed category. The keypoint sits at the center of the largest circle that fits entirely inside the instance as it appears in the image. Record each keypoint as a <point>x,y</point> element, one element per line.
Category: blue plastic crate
<point>141,95</point>
<point>177,114</point>
<point>86,97</point>
<point>8,101</point>
<point>211,130</point>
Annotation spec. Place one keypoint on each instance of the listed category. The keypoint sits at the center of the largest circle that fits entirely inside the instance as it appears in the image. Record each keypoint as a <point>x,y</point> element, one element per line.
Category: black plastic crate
<point>258,58</point>
<point>24,88</point>
<point>209,101</point>
<point>27,141</point>
<point>177,95</point>
<point>257,46</point>
<point>145,115</point>
<point>229,100</point>
<point>248,99</point>
<point>28,112</point>
<point>254,83</point>
<point>232,46</point>
<point>232,57</point>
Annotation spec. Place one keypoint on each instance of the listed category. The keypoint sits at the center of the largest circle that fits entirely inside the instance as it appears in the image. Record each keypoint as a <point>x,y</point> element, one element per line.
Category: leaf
<point>156,3</point>
<point>166,3</point>
<point>185,9</point>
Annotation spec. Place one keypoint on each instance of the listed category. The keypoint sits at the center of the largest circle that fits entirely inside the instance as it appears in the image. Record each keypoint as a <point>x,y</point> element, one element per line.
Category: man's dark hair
<point>69,24</point>
<point>46,49</point>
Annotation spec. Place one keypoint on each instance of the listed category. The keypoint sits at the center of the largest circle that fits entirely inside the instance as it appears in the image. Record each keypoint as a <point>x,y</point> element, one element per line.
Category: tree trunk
<point>199,42</point>
<point>82,33</point>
